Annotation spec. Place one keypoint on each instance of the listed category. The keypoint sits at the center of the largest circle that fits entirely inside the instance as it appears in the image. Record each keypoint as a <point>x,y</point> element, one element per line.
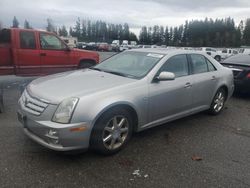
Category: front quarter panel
<point>91,107</point>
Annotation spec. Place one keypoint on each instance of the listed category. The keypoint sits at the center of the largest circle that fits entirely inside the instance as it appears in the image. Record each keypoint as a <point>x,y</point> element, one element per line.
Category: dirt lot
<point>159,157</point>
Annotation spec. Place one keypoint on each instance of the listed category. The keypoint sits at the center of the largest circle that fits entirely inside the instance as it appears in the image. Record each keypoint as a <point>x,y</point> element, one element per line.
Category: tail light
<point>248,75</point>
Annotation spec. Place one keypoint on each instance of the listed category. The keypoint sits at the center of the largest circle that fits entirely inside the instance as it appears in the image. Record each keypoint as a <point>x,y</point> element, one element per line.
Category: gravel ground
<point>158,157</point>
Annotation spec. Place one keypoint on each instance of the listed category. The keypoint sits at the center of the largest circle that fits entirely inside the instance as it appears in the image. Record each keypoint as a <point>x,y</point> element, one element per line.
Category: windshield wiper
<point>120,74</point>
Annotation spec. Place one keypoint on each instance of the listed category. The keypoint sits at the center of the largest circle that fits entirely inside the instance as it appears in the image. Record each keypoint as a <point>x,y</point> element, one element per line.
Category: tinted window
<point>51,42</point>
<point>199,63</point>
<point>177,64</point>
<point>5,36</point>
<point>27,40</point>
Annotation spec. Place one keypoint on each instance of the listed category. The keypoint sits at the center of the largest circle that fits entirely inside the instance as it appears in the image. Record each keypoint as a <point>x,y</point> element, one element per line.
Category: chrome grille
<point>31,104</point>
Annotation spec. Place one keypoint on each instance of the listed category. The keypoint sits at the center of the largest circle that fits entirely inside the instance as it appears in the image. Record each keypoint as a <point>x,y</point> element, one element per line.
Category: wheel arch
<point>225,89</point>
<point>125,105</point>
<point>88,60</point>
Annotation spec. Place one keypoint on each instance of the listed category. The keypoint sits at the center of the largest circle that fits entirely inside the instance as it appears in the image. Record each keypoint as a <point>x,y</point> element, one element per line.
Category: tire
<point>107,136</point>
<point>217,58</point>
<point>85,64</point>
<point>218,102</point>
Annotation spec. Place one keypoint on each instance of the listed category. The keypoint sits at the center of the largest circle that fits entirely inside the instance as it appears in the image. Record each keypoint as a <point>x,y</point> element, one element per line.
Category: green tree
<point>27,25</point>
<point>50,26</point>
<point>15,23</point>
<point>246,33</point>
<point>63,31</point>
<point>166,36</point>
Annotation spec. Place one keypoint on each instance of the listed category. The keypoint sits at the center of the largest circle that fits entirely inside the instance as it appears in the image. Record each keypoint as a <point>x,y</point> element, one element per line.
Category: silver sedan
<point>100,107</point>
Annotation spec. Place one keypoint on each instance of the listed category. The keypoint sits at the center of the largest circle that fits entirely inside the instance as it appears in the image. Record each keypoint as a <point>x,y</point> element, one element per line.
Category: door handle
<point>188,85</point>
<point>42,54</point>
<point>213,78</point>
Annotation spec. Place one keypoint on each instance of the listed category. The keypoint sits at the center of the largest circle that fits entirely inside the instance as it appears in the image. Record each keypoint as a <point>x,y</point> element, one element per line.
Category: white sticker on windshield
<point>155,55</point>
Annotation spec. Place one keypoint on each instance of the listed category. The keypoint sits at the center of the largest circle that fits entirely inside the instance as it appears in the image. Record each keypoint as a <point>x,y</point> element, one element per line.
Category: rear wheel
<point>112,131</point>
<point>218,102</point>
<point>86,64</point>
<point>218,58</point>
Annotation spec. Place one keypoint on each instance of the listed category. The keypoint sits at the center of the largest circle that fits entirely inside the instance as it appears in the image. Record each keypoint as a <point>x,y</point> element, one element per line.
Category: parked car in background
<point>225,53</point>
<point>115,45</point>
<point>100,107</point>
<point>240,65</point>
<point>245,50</point>
<point>91,46</point>
<point>104,47</point>
<point>29,52</point>
<point>81,45</point>
<point>124,47</point>
<point>212,52</point>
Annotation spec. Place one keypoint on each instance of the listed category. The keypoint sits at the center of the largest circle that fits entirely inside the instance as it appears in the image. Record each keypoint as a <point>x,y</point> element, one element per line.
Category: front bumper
<point>55,136</point>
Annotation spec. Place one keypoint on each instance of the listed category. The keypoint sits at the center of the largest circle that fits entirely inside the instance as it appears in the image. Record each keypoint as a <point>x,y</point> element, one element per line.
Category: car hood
<point>80,83</point>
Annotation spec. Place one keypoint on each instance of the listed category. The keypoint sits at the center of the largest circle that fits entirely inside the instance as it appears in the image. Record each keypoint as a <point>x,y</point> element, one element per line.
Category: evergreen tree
<point>84,31</point>
<point>166,36</point>
<point>77,29</point>
<point>63,31</point>
<point>71,31</point>
<point>246,33</point>
<point>27,25</point>
<point>50,26</point>
<point>15,23</point>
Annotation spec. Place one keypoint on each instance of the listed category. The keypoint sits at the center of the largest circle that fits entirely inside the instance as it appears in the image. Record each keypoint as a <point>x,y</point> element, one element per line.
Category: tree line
<point>88,31</point>
<point>197,33</point>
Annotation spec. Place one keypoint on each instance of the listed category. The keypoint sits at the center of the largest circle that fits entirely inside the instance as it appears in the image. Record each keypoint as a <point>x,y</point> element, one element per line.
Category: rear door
<point>55,56</point>
<point>205,78</point>
<point>27,53</point>
<point>167,98</point>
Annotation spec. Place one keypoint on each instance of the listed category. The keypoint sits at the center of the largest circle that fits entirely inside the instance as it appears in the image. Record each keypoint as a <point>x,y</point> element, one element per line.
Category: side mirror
<point>165,76</point>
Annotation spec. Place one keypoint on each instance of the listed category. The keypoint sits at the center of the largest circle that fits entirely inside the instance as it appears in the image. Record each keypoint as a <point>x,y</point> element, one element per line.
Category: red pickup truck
<point>27,52</point>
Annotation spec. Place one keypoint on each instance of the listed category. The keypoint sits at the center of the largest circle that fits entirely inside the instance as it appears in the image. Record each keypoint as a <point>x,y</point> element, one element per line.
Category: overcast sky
<point>135,12</point>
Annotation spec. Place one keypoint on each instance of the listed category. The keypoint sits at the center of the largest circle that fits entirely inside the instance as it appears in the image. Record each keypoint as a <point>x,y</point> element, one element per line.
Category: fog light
<point>53,141</point>
<point>52,136</point>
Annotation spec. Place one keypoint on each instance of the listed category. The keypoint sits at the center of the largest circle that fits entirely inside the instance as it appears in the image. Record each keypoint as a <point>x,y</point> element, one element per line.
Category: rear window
<point>27,40</point>
<point>5,36</point>
<point>238,59</point>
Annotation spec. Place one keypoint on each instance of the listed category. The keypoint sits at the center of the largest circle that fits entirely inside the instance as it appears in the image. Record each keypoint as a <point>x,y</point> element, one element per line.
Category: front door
<point>168,98</point>
<point>54,54</point>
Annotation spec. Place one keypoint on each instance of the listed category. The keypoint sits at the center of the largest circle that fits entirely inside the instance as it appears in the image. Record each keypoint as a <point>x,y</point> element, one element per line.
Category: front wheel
<point>85,64</point>
<point>112,131</point>
<point>218,102</point>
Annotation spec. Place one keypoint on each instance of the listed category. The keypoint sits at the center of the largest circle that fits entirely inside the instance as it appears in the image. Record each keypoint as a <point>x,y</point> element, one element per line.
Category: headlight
<point>65,110</point>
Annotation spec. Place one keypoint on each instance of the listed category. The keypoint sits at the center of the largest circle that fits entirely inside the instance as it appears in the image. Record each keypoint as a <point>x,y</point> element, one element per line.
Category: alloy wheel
<point>219,101</point>
<point>115,132</point>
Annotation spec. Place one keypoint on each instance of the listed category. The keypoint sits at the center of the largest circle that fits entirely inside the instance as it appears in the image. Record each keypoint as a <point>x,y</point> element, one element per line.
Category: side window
<point>211,67</point>
<point>177,64</point>
<point>51,42</point>
<point>27,40</point>
<point>199,63</point>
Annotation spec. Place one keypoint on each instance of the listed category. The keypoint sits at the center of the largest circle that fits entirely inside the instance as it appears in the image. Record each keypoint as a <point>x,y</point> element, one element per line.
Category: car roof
<point>240,59</point>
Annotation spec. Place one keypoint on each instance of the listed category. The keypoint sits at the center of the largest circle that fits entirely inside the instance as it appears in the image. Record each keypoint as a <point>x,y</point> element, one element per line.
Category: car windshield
<point>130,64</point>
<point>238,60</point>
